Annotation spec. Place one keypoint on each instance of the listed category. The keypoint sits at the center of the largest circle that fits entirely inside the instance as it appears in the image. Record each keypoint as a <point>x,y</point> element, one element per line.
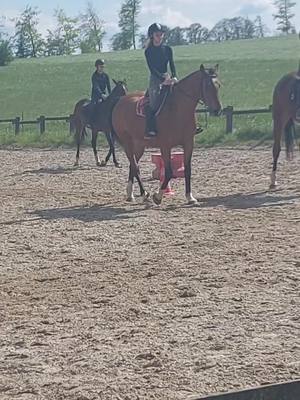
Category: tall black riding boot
<point>151,129</point>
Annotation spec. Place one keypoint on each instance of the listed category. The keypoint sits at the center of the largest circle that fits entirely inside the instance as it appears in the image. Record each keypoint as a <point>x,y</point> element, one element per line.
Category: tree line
<point>85,32</point>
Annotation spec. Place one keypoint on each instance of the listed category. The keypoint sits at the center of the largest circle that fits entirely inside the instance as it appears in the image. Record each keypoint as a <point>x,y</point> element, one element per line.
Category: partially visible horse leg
<point>166,156</point>
<point>188,151</point>
<point>129,189</point>
<point>278,127</point>
<point>133,170</point>
<point>94,145</point>
<point>78,134</point>
<point>144,194</point>
<point>113,150</point>
<point>289,138</point>
<point>110,137</point>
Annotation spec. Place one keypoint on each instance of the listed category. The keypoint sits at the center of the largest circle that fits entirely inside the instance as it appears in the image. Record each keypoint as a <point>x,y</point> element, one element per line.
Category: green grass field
<point>249,69</point>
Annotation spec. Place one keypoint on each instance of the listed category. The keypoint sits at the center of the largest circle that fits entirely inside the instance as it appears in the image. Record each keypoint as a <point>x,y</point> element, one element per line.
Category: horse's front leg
<point>188,151</point>
<point>112,149</point>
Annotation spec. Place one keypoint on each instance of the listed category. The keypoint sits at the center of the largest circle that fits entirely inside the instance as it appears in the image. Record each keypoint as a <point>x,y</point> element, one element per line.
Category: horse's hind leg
<point>113,150</point>
<point>78,134</point>
<point>129,189</point>
<point>289,136</point>
<point>278,127</point>
<point>144,193</point>
<point>94,145</point>
<point>166,156</point>
<point>133,172</point>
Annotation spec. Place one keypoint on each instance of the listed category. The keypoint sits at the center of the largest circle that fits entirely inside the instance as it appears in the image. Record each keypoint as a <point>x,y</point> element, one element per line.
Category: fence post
<point>229,119</point>
<point>42,122</point>
<point>17,125</point>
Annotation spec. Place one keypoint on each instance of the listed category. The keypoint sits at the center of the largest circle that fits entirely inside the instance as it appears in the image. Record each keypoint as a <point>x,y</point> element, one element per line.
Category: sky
<point>169,12</point>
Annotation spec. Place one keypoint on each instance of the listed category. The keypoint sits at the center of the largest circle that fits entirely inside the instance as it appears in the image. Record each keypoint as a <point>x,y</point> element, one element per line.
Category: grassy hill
<point>249,70</point>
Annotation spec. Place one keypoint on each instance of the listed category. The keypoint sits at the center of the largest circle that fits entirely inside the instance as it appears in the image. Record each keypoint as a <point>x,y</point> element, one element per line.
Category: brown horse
<point>176,127</point>
<point>80,120</point>
<point>286,102</point>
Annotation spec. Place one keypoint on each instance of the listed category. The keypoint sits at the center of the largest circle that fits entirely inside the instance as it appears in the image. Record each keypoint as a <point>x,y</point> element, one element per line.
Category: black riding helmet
<point>99,62</point>
<point>155,28</point>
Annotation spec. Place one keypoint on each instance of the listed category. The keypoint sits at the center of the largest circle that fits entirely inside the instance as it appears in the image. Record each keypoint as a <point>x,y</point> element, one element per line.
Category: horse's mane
<point>210,72</point>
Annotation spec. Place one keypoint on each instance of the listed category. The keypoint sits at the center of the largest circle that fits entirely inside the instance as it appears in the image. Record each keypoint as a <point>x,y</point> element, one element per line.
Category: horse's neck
<point>111,98</point>
<point>187,91</point>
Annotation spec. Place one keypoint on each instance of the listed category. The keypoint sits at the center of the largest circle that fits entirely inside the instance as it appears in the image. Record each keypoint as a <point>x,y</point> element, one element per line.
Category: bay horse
<point>80,120</point>
<point>176,125</point>
<point>286,102</point>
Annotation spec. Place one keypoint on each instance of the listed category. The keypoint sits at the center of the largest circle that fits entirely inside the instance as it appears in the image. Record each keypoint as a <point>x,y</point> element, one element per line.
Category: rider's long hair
<point>148,43</point>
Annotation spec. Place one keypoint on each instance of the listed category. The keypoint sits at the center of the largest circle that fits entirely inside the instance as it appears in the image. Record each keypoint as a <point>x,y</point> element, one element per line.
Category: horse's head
<point>120,88</point>
<point>210,89</point>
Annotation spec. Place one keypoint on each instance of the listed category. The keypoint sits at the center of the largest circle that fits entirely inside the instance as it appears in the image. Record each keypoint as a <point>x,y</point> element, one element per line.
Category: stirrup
<point>150,135</point>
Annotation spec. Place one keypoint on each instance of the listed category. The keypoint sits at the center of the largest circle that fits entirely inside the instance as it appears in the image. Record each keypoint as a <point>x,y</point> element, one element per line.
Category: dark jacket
<point>158,58</point>
<point>100,83</point>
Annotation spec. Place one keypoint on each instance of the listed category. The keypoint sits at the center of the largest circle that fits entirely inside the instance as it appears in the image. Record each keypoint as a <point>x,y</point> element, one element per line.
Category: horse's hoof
<point>76,164</point>
<point>146,197</point>
<point>157,199</point>
<point>273,186</point>
<point>102,164</point>
<point>130,199</point>
<point>192,201</point>
<point>118,165</point>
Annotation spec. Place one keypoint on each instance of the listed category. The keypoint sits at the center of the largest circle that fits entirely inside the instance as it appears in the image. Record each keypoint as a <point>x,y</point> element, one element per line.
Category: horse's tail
<point>72,124</point>
<point>289,138</point>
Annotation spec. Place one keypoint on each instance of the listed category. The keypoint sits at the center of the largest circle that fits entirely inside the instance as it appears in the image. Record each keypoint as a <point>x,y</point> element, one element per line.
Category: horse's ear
<point>217,67</point>
<point>124,81</point>
<point>202,68</point>
<point>115,82</point>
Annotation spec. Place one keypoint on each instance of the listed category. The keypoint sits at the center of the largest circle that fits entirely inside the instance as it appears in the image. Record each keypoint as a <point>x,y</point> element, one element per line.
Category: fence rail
<point>229,112</point>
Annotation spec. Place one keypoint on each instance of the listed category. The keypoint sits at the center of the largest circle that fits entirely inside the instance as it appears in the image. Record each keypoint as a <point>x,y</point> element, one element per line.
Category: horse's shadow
<point>57,170</point>
<point>50,171</point>
<point>86,213</point>
<point>241,201</point>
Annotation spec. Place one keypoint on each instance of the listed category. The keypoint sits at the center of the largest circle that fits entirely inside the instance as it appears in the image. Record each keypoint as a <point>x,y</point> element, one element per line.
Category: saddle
<point>90,111</point>
<point>144,101</point>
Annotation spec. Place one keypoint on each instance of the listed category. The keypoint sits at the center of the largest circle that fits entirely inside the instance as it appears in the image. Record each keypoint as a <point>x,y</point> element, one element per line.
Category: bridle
<point>208,74</point>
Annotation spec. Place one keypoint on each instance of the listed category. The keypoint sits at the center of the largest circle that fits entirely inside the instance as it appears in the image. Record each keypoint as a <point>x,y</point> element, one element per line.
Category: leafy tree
<point>196,33</point>
<point>28,40</point>
<point>284,15</point>
<point>233,29</point>
<point>260,27</point>
<point>126,39</point>
<point>175,36</point>
<point>92,30</point>
<point>65,38</point>
<point>6,54</point>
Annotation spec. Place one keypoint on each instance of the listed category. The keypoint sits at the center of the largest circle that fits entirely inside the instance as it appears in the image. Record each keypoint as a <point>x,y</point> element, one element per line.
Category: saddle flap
<point>144,101</point>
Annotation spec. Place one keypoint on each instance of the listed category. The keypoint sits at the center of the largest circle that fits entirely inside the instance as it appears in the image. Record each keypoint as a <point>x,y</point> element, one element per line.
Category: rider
<point>100,82</point>
<point>100,86</point>
<point>158,57</point>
